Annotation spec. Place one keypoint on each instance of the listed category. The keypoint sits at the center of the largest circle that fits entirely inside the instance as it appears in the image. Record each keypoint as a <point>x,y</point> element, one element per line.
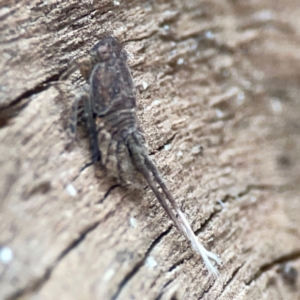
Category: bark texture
<point>218,96</point>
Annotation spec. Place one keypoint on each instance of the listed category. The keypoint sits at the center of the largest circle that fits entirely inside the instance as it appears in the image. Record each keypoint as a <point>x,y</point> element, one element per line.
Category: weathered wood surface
<point>218,91</point>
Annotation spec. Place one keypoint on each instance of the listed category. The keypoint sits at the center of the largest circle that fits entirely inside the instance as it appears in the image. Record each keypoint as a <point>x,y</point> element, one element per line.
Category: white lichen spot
<point>116,3</point>
<point>258,75</point>
<point>4,10</point>
<point>197,149</point>
<point>193,46</point>
<point>180,61</point>
<point>167,147</point>
<point>264,15</point>
<point>23,44</point>
<point>223,205</point>
<point>179,154</point>
<point>130,55</point>
<point>243,220</point>
<point>132,222</point>
<point>151,262</point>
<point>227,170</point>
<point>173,53</point>
<point>156,102</point>
<point>166,27</point>
<point>6,255</point>
<point>219,113</point>
<point>276,105</point>
<point>225,73</point>
<point>240,99</point>
<point>209,35</point>
<point>68,213</point>
<point>246,84</point>
<point>109,274</point>
<point>145,85</point>
<point>253,199</point>
<point>168,13</point>
<point>71,190</point>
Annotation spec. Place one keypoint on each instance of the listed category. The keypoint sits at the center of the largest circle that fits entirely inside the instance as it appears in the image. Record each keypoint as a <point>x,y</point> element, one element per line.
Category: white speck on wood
<point>151,262</point>
<point>109,274</point>
<point>167,147</point>
<point>6,255</point>
<point>276,105</point>
<point>133,222</point>
<point>71,190</point>
<point>145,85</point>
<point>180,61</point>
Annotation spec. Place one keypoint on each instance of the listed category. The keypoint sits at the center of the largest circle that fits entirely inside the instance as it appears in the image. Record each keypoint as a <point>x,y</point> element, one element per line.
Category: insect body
<point>116,140</point>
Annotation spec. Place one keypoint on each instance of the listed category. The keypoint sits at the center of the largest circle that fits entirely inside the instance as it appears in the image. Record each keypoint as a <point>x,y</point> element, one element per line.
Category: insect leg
<point>91,125</point>
<point>74,115</point>
<point>66,74</point>
<point>84,65</point>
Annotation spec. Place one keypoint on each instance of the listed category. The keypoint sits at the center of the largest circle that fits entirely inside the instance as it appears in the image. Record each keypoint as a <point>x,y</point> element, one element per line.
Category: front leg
<point>84,65</point>
<point>91,124</point>
<point>84,97</point>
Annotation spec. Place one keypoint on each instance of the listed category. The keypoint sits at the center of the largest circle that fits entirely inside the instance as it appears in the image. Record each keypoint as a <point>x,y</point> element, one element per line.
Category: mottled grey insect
<point>116,140</point>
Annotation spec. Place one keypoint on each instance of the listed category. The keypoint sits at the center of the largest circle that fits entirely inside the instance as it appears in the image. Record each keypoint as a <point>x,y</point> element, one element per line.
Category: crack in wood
<point>107,193</point>
<point>259,187</point>
<point>178,263</point>
<point>268,266</point>
<point>80,17</point>
<point>142,38</point>
<point>204,224</point>
<point>86,166</point>
<point>234,273</point>
<point>163,289</point>
<point>11,109</point>
<point>247,190</point>
<point>226,285</point>
<point>139,264</point>
<point>38,283</point>
<point>168,141</point>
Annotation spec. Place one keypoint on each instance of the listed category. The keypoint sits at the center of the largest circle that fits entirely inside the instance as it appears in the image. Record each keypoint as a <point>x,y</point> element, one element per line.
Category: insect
<point>116,139</point>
